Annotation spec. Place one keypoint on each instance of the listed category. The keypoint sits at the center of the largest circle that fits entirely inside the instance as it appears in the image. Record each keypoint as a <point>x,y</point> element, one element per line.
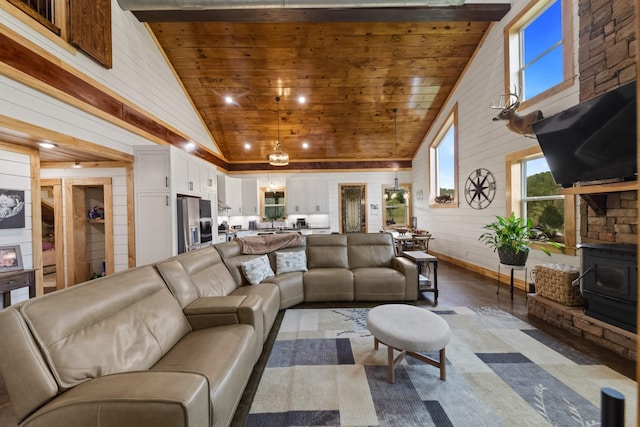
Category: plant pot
<point>510,257</point>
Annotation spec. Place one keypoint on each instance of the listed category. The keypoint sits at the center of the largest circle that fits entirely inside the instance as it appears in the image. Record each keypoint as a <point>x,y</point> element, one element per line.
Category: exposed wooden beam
<point>468,12</point>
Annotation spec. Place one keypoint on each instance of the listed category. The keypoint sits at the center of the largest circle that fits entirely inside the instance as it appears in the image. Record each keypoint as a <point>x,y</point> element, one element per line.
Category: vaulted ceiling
<point>353,65</point>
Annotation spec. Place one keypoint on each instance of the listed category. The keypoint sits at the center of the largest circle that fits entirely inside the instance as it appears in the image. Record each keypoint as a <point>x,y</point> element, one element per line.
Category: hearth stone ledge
<point>573,320</point>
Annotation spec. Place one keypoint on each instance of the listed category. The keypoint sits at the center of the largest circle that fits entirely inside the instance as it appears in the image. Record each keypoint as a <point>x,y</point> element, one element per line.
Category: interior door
<point>89,225</point>
<point>52,234</point>
<point>353,212</point>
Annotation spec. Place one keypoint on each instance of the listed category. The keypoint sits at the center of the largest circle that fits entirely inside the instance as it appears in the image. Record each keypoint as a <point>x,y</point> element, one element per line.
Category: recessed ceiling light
<point>190,146</point>
<point>302,99</point>
<point>228,99</point>
<point>305,145</point>
<point>247,146</point>
<point>77,165</point>
<point>47,144</point>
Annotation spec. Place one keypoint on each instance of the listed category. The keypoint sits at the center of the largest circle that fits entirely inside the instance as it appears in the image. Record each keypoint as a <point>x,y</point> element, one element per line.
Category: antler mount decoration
<point>517,123</point>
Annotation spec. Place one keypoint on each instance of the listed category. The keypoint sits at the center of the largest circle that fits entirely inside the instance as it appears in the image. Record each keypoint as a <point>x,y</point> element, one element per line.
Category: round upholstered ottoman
<point>410,330</point>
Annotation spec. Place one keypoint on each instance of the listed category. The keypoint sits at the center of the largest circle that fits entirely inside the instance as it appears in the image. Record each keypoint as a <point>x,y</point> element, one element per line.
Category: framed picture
<point>11,208</point>
<point>10,258</point>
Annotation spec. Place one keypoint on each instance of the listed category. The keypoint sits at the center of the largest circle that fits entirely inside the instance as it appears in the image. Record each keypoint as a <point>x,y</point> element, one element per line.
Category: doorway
<point>353,212</point>
<point>89,224</point>
<point>52,235</point>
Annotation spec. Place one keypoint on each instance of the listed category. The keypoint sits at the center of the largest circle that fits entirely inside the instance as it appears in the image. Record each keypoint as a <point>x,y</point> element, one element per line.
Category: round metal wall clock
<point>480,188</point>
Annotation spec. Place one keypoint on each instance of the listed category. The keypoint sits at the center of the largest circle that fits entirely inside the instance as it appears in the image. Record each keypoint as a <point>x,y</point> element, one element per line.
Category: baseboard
<point>504,278</point>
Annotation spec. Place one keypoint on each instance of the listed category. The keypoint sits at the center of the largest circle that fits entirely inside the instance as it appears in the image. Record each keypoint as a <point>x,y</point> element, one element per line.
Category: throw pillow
<point>257,270</point>
<point>291,261</point>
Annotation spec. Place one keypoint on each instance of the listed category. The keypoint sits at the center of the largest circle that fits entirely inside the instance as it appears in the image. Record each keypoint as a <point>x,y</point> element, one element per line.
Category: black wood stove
<point>609,283</point>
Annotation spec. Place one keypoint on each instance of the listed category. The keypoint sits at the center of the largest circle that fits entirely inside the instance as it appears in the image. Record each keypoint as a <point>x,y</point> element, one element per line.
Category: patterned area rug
<point>323,371</point>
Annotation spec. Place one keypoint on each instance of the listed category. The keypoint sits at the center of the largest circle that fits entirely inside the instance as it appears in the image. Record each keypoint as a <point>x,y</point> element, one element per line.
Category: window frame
<point>409,205</point>
<point>263,205</point>
<point>55,29</point>
<point>514,199</point>
<point>451,120</point>
<point>512,47</point>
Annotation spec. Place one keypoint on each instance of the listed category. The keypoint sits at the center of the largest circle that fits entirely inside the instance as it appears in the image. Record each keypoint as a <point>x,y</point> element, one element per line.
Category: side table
<point>15,280</point>
<point>421,259</point>
<point>512,268</point>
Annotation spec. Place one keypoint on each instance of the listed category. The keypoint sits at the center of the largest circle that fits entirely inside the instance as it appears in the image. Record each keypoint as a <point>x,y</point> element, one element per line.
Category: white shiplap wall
<point>119,188</point>
<point>15,175</point>
<point>139,74</point>
<point>482,143</point>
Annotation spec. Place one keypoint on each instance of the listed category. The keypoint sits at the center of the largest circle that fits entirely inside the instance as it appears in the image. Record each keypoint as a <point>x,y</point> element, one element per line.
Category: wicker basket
<point>553,281</point>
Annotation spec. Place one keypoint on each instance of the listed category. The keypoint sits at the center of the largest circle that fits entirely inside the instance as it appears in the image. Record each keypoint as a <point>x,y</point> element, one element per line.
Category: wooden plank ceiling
<point>352,74</point>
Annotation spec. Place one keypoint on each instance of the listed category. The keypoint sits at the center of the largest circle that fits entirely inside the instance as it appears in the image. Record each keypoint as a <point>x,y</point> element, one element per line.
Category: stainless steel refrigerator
<point>188,223</point>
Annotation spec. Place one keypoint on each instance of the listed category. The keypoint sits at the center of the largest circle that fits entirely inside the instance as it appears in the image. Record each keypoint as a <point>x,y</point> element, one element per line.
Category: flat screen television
<point>592,141</point>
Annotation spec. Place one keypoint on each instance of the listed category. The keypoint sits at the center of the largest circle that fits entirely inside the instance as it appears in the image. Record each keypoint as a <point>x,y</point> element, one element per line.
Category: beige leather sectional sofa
<point>174,344</point>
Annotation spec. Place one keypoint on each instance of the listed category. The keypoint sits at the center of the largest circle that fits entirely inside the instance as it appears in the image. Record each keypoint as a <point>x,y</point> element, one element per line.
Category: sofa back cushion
<point>195,274</point>
<point>370,250</point>
<point>327,251</point>
<point>233,258</point>
<point>119,323</point>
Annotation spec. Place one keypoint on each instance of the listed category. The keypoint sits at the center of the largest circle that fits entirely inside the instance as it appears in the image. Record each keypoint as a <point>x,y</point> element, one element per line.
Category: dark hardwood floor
<point>458,287</point>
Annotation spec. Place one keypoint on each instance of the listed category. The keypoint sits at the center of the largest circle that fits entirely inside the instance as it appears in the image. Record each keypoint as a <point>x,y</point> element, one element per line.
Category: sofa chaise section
<point>209,295</point>
<point>119,351</point>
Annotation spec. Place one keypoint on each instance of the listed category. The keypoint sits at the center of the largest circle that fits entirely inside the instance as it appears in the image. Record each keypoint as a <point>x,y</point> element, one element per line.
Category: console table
<point>422,258</point>
<point>16,279</point>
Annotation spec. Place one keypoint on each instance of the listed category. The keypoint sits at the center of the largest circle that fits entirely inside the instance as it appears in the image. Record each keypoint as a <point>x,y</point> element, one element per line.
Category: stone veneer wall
<point>607,60</point>
<point>619,225</point>
<point>573,320</point>
<point>607,45</point>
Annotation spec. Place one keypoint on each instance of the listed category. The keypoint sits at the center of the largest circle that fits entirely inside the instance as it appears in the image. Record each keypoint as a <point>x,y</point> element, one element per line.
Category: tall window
<point>443,163</point>
<point>540,49</point>
<point>541,202</point>
<point>532,193</point>
<point>397,206</point>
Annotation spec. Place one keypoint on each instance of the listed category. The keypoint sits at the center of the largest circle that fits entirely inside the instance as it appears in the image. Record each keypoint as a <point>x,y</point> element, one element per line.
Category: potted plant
<point>510,237</point>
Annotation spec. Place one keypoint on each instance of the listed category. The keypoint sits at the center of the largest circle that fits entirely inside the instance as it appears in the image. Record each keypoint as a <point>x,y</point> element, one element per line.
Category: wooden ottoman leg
<point>375,343</point>
<point>443,366</point>
<point>391,363</point>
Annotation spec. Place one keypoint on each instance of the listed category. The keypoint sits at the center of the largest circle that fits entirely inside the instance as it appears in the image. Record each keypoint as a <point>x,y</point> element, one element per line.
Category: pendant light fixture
<point>279,157</point>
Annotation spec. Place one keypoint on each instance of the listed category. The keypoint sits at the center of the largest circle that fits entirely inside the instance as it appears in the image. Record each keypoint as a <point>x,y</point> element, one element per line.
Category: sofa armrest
<point>133,399</point>
<point>206,312</point>
<point>410,271</point>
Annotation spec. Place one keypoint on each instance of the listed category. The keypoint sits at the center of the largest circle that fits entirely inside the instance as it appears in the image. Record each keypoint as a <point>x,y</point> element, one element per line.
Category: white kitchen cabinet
<point>208,177</point>
<point>152,168</point>
<point>296,196</point>
<point>186,173</point>
<point>250,197</point>
<point>230,194</point>
<point>156,229</point>
<point>161,173</point>
<point>305,196</point>
<point>318,197</point>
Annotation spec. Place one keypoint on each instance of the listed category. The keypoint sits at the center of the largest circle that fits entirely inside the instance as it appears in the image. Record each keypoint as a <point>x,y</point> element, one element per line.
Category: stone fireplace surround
<point>607,60</point>
<point>573,320</point>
